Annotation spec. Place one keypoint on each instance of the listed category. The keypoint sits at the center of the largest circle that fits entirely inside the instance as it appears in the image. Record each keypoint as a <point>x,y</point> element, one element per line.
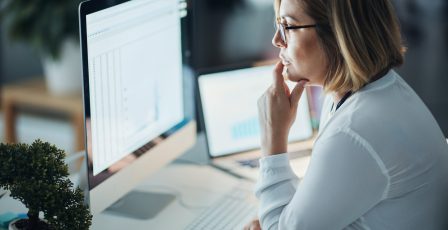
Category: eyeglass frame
<point>282,28</point>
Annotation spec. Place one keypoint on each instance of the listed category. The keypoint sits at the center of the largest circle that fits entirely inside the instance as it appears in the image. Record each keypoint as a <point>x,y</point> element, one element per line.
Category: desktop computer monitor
<point>133,95</point>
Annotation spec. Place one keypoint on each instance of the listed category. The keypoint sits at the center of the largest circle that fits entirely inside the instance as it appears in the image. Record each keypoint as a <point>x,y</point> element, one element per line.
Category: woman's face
<point>302,56</point>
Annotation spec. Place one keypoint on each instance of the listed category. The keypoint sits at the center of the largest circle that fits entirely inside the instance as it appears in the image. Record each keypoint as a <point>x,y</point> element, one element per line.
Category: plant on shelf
<point>50,27</point>
<point>44,24</point>
<point>36,175</point>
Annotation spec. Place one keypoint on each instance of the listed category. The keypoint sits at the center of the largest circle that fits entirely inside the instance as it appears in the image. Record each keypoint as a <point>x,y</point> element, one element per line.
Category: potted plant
<point>51,28</point>
<point>37,176</point>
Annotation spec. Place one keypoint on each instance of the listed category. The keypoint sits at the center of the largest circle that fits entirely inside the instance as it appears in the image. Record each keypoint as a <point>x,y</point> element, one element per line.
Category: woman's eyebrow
<point>290,18</point>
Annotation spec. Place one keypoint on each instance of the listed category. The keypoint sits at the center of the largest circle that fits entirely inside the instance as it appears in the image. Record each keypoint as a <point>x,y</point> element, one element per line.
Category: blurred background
<point>39,38</point>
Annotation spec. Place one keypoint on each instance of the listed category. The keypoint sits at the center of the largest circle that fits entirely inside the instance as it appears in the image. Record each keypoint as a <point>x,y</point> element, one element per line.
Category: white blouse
<point>380,162</point>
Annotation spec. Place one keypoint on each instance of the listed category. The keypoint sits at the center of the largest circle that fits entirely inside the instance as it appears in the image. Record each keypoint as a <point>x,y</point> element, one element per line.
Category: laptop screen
<point>229,108</point>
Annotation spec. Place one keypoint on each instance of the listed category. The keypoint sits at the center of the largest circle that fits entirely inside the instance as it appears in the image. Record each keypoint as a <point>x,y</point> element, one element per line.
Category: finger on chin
<point>278,79</point>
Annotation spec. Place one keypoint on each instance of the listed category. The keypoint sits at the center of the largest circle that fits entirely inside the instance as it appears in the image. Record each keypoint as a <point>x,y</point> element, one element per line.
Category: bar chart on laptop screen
<point>127,107</point>
<point>229,101</point>
<point>245,128</point>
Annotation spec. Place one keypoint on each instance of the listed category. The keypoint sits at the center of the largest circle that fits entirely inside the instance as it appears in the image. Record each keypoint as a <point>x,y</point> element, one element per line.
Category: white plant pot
<point>64,76</point>
<point>12,226</point>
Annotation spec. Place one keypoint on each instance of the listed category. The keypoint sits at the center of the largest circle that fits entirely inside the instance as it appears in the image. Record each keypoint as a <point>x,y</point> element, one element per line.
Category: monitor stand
<point>140,205</point>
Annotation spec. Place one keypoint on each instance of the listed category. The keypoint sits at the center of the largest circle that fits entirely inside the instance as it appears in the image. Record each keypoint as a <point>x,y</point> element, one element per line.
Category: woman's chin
<point>289,75</point>
<point>294,78</point>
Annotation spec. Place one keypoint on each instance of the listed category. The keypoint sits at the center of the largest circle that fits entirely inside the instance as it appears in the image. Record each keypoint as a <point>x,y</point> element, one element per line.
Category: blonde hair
<point>360,39</point>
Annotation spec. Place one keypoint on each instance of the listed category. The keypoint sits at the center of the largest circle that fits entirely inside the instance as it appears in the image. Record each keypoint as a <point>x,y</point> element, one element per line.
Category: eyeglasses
<point>282,28</point>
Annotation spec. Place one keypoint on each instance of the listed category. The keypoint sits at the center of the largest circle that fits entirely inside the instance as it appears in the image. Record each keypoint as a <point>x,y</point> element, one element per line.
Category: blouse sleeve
<point>344,180</point>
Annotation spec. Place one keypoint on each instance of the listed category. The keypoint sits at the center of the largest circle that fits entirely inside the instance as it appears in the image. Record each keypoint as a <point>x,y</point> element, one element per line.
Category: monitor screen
<point>135,77</point>
<point>229,108</point>
<point>135,120</point>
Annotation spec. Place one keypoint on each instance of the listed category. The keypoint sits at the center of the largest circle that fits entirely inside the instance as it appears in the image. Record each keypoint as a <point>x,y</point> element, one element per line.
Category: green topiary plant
<point>37,176</point>
<point>45,24</point>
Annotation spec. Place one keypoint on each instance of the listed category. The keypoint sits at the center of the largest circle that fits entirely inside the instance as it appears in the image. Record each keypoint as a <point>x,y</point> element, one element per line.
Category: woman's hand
<point>277,109</point>
<point>253,225</point>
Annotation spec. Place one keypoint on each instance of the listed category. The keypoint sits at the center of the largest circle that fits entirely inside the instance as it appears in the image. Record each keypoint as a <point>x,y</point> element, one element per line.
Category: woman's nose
<point>277,40</point>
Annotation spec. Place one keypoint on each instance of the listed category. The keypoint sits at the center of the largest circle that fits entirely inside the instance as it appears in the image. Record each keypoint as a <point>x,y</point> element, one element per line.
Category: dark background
<point>222,33</point>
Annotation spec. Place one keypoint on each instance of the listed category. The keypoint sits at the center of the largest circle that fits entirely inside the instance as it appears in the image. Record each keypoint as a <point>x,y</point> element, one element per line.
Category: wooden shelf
<point>33,95</point>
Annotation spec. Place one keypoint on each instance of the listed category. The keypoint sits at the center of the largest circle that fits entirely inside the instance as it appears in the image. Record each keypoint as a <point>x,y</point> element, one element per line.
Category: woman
<point>380,159</point>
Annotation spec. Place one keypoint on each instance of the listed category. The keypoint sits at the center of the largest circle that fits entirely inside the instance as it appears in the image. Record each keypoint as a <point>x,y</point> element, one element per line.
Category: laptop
<point>229,115</point>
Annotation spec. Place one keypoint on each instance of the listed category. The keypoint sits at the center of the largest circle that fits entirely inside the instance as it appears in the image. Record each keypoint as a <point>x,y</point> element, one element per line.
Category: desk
<point>34,95</point>
<point>198,185</point>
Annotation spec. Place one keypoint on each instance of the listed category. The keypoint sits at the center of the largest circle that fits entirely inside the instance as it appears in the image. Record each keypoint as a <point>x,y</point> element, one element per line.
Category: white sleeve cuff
<point>274,169</point>
<point>275,161</point>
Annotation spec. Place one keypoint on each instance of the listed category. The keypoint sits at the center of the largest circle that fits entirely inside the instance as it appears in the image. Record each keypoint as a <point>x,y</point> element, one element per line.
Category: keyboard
<point>233,211</point>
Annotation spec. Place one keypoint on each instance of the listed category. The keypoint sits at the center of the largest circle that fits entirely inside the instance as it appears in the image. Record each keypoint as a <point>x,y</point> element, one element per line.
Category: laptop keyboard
<point>232,211</point>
